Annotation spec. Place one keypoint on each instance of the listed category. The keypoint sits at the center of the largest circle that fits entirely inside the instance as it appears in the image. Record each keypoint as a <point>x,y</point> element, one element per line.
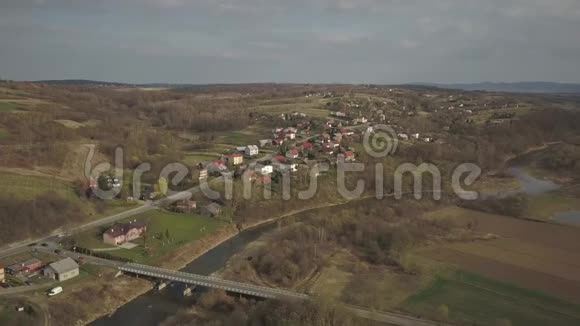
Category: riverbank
<point>114,292</point>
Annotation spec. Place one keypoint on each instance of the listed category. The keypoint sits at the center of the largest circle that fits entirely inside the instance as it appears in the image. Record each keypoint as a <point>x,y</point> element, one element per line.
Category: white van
<point>55,291</point>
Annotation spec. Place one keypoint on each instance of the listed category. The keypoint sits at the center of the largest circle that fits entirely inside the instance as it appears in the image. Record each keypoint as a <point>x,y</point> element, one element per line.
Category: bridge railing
<point>208,281</point>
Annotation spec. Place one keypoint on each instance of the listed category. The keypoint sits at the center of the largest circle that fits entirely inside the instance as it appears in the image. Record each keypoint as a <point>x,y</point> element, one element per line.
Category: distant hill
<point>81,82</point>
<point>517,87</point>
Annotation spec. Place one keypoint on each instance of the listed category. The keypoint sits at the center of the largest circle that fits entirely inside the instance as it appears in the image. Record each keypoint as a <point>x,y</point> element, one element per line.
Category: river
<point>154,306</point>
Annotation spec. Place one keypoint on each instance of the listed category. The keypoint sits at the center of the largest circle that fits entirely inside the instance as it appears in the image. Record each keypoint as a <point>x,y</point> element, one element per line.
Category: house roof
<point>124,228</point>
<point>213,208</point>
<point>32,261</point>
<point>280,158</point>
<point>349,154</point>
<point>236,155</point>
<point>64,266</point>
<point>307,145</point>
<point>293,152</point>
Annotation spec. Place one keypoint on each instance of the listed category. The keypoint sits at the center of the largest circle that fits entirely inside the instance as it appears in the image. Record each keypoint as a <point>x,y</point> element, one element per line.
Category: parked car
<point>55,291</point>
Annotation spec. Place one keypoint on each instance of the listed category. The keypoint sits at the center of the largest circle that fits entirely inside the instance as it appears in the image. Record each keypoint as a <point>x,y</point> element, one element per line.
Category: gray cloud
<point>300,40</point>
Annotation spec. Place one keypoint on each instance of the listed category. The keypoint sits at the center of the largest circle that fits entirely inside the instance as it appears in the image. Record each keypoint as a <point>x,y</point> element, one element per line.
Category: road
<point>22,246</point>
<point>24,289</point>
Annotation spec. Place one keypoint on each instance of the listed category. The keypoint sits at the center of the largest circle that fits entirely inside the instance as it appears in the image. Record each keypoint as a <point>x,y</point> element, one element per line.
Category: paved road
<point>22,246</point>
<point>24,289</point>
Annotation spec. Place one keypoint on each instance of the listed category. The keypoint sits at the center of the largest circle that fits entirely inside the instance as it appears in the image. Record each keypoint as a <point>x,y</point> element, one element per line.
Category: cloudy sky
<point>348,41</point>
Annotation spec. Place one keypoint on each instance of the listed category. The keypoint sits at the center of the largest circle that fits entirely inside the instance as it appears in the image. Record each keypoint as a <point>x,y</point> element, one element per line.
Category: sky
<point>300,41</point>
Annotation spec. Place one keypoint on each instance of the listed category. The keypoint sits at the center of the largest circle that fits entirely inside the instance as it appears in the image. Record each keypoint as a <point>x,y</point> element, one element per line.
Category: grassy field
<point>544,207</point>
<point>193,159</point>
<point>9,315</point>
<point>182,229</point>
<point>3,133</point>
<point>29,187</point>
<point>8,106</point>
<point>539,256</point>
<point>475,299</point>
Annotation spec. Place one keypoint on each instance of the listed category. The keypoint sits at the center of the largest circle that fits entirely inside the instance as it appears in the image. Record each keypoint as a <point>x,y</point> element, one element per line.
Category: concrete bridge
<point>211,282</point>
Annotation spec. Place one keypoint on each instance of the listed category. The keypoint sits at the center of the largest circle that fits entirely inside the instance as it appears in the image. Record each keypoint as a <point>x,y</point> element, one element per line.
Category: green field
<point>545,206</point>
<point>8,106</point>
<point>3,133</point>
<point>9,315</point>
<point>30,187</point>
<point>192,159</point>
<point>473,299</point>
<point>182,229</point>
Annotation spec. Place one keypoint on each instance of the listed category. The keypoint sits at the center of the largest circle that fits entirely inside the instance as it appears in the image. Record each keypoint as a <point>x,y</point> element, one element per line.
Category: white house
<point>62,270</point>
<point>416,136</point>
<point>252,150</point>
<point>403,136</point>
<point>293,154</point>
<point>264,169</point>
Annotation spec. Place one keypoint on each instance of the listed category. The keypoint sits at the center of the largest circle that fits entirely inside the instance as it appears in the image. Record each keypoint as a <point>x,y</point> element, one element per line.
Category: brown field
<point>533,255</point>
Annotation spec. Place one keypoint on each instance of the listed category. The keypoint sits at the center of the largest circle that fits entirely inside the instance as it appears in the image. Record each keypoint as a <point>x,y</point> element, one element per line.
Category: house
<point>403,136</point>
<point>62,270</point>
<point>266,179</point>
<point>278,142</point>
<point>360,120</point>
<point>265,142</point>
<point>329,150</point>
<point>212,210</point>
<point>340,114</point>
<point>264,169</point>
<point>349,157</point>
<point>203,174</point>
<point>121,233</point>
<point>279,159</point>
<point>290,134</point>
<point>235,159</point>
<point>252,150</point>
<point>347,132</point>
<point>416,136</point>
<point>428,139</point>
<point>290,167</point>
<point>2,274</point>
<point>185,206</point>
<point>307,146</point>
<point>29,266</point>
<point>292,154</point>
<point>217,167</point>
